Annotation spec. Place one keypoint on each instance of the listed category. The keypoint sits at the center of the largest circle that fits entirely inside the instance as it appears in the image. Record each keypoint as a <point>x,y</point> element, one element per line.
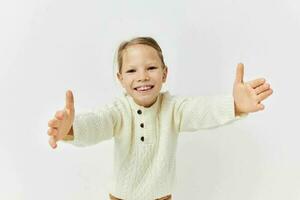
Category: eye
<point>130,71</point>
<point>152,68</point>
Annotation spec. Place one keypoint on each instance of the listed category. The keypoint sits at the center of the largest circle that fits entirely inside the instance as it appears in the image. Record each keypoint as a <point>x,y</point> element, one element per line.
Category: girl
<point>145,123</point>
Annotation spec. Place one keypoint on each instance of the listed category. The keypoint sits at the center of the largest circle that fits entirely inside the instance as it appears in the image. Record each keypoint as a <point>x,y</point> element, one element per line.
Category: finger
<point>69,100</point>
<point>239,73</point>
<point>59,115</point>
<point>257,82</point>
<point>52,142</point>
<point>54,123</point>
<point>52,131</point>
<point>262,88</point>
<point>260,107</point>
<point>262,96</point>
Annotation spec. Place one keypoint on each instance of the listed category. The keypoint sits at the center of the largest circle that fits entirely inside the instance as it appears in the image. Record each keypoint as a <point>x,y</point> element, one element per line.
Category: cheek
<point>160,77</point>
<point>128,82</point>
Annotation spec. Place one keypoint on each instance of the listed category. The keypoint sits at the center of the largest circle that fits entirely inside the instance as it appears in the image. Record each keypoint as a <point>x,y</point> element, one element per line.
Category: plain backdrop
<point>50,46</point>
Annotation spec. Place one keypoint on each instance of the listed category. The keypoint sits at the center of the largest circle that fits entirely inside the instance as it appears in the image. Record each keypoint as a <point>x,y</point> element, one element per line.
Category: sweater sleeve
<point>95,126</point>
<point>195,113</point>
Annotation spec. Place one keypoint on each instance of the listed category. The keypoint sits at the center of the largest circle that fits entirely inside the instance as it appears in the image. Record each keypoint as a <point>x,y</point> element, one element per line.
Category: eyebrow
<point>150,63</point>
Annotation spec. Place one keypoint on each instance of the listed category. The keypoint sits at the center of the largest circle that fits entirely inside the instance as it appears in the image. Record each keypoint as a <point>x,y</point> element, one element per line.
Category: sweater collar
<point>153,108</point>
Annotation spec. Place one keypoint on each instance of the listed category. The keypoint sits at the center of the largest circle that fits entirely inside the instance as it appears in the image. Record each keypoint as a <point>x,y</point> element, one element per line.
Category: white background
<point>49,46</point>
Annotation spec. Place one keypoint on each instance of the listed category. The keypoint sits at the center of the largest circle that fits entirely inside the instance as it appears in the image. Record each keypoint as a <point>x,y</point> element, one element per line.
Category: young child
<point>145,123</point>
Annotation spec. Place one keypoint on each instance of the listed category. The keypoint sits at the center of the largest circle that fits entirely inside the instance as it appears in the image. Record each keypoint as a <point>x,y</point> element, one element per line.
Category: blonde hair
<point>138,40</point>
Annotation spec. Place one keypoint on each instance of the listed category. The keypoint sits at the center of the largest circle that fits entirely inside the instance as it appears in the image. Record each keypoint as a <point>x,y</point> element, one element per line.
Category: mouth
<point>144,88</point>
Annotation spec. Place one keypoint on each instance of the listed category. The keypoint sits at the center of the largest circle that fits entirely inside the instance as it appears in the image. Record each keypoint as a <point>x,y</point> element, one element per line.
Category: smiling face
<point>142,74</point>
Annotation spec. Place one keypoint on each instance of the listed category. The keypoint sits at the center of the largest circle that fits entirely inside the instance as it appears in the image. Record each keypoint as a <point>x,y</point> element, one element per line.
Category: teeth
<point>143,88</point>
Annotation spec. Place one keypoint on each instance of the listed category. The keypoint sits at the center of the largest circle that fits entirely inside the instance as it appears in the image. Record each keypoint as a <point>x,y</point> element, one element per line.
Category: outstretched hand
<point>248,96</point>
<point>62,122</point>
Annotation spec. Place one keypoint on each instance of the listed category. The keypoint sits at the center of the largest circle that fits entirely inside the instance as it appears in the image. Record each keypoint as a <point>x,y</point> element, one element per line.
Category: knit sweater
<point>145,139</point>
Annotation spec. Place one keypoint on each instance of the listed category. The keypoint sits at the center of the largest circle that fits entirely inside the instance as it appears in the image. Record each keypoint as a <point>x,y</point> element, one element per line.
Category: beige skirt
<point>168,197</point>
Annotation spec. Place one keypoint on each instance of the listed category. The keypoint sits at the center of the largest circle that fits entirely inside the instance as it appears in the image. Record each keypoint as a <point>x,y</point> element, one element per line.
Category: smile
<point>144,88</point>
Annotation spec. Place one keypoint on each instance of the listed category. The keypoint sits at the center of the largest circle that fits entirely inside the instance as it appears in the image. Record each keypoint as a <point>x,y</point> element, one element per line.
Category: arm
<point>195,113</point>
<point>84,128</point>
<point>94,126</point>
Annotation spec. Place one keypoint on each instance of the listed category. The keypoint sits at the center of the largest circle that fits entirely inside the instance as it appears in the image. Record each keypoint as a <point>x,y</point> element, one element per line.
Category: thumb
<point>69,100</point>
<point>239,73</point>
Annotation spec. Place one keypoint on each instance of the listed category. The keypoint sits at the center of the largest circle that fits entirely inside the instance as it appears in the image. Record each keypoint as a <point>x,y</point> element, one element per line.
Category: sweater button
<point>139,112</point>
<point>142,125</point>
<point>142,138</point>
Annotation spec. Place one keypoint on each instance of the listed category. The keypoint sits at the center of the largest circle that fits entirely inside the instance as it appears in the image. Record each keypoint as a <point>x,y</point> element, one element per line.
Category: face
<point>142,74</point>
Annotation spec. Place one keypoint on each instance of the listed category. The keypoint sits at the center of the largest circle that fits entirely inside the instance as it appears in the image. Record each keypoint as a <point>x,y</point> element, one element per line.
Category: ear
<point>120,78</point>
<point>165,74</point>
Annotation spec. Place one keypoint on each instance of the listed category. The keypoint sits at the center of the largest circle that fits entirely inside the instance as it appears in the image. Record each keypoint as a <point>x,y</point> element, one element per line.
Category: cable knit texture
<point>146,138</point>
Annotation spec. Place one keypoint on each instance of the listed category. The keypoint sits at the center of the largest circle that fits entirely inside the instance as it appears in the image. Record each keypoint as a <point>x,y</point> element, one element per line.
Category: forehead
<point>140,54</point>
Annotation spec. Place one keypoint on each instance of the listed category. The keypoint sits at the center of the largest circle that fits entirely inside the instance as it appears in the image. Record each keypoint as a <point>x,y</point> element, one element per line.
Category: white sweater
<point>146,138</point>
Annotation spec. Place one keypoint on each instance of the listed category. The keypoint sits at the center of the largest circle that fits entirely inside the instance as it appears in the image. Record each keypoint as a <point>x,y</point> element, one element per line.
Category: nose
<point>143,76</point>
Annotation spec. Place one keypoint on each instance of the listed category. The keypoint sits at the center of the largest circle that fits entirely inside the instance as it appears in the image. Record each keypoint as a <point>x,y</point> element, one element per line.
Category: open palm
<point>62,122</point>
<point>248,96</point>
